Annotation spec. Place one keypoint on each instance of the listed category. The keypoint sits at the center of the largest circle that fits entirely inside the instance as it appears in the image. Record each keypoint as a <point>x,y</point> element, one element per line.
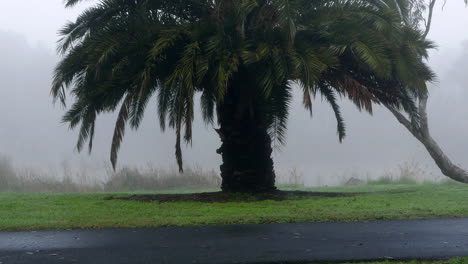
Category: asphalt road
<point>275,243</point>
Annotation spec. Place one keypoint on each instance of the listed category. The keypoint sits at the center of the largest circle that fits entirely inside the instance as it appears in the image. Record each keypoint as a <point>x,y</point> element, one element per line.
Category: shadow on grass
<point>216,197</point>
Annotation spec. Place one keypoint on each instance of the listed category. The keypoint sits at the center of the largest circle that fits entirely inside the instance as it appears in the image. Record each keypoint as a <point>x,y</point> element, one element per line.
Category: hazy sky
<point>31,133</point>
<point>39,20</point>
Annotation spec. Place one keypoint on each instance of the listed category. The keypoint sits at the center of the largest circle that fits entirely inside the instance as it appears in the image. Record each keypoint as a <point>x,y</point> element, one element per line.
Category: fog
<point>32,135</point>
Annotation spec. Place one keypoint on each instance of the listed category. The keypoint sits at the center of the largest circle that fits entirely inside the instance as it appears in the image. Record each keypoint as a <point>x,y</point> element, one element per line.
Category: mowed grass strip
<point>20,211</point>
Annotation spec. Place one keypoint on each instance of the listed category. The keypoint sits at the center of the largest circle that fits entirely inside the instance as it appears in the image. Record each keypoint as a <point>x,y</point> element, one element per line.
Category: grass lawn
<point>20,211</point>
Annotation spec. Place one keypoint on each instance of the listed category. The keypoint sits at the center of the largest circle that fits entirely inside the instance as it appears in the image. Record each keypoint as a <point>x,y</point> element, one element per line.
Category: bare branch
<point>429,18</point>
<point>404,121</point>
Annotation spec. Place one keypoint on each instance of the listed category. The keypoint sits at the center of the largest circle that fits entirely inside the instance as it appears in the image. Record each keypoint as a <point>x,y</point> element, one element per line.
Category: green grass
<point>20,211</point>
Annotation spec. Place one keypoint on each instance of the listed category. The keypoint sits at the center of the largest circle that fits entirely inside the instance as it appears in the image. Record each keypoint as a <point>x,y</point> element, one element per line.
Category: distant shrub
<point>381,180</point>
<point>389,180</point>
<point>406,180</point>
<point>444,182</point>
<point>294,179</point>
<point>133,179</point>
<point>8,178</point>
<point>101,178</point>
<point>126,179</point>
<point>410,173</point>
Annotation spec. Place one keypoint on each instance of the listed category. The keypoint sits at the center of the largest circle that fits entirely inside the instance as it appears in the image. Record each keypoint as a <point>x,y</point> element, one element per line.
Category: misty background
<point>32,135</point>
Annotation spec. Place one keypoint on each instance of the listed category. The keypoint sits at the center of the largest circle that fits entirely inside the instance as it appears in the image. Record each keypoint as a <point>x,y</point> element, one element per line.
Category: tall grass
<point>292,180</point>
<point>68,180</point>
<point>408,173</point>
<point>149,178</point>
<point>8,177</point>
<point>134,179</point>
<point>102,178</point>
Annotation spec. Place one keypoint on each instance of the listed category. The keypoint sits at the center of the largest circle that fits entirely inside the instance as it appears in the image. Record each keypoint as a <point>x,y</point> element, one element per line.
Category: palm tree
<point>244,58</point>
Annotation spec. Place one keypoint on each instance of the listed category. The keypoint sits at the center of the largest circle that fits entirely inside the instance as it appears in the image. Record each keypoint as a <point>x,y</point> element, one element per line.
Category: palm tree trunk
<point>246,146</point>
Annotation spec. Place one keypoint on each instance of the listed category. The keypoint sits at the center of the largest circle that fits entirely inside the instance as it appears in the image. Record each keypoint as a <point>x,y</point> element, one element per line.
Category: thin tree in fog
<point>244,57</point>
<point>420,16</point>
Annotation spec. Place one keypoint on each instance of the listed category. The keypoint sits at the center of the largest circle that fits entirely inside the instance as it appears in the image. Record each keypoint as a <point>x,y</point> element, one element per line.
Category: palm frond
<point>71,3</point>
<point>330,97</point>
<point>280,101</point>
<point>119,130</point>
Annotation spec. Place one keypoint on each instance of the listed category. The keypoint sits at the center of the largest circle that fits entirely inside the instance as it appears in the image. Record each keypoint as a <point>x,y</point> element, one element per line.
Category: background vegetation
<point>149,178</point>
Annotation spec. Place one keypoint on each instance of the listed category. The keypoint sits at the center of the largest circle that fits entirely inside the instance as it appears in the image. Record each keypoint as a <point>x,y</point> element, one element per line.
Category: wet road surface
<point>275,243</point>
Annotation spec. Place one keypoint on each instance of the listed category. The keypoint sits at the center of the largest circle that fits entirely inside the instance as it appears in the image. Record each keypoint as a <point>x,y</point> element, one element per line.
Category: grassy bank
<point>62,211</point>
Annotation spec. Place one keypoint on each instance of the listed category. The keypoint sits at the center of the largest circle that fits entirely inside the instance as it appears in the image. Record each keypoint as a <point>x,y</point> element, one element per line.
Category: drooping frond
<point>119,130</point>
<point>330,97</point>
<point>280,101</point>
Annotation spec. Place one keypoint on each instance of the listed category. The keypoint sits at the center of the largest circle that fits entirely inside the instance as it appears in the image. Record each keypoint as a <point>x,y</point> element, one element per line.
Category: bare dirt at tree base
<point>214,197</point>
